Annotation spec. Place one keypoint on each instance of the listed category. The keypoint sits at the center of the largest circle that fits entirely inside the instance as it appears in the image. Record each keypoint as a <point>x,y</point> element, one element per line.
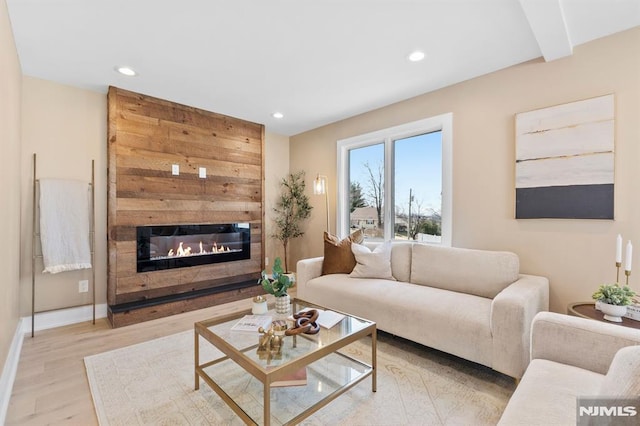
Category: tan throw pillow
<point>372,264</point>
<point>338,258</point>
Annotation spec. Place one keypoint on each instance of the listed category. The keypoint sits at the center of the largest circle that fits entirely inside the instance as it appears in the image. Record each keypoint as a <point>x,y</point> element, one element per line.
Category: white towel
<point>64,225</point>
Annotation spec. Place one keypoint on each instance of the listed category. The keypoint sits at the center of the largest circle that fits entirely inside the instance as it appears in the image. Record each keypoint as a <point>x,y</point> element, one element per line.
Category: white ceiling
<point>315,61</point>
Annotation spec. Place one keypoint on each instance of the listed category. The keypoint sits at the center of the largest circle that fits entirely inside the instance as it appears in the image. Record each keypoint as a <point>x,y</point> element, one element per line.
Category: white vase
<point>283,304</point>
<point>613,313</point>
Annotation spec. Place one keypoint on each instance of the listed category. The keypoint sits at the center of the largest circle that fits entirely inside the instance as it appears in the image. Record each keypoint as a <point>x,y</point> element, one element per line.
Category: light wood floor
<point>51,384</point>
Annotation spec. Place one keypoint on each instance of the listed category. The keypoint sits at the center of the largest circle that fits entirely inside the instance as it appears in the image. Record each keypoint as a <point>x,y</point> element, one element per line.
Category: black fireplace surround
<point>179,246</point>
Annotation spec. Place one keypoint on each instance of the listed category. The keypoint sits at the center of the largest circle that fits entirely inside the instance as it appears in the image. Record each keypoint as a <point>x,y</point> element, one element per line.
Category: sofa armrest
<point>306,270</point>
<point>581,342</point>
<point>512,312</point>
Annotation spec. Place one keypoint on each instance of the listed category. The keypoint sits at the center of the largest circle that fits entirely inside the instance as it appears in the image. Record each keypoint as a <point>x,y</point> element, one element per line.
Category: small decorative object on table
<point>613,300</point>
<point>269,344</point>
<point>305,322</point>
<point>279,327</point>
<point>277,285</point>
<point>259,305</point>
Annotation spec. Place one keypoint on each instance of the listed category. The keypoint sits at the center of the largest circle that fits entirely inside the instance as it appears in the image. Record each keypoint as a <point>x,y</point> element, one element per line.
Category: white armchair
<point>573,357</point>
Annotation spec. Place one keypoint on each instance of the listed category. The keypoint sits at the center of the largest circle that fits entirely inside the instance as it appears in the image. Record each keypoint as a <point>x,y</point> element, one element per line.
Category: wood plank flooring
<point>51,386</point>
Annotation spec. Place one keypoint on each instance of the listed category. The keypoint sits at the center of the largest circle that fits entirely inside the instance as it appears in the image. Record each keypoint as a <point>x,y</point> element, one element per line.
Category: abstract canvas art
<point>565,161</point>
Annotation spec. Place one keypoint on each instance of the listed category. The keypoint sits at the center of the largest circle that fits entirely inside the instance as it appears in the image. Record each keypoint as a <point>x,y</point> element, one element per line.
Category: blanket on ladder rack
<point>64,225</point>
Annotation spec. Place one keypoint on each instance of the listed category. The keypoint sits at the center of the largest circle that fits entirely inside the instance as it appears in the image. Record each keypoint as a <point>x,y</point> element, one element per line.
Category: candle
<point>629,256</point>
<point>619,249</point>
<point>259,306</point>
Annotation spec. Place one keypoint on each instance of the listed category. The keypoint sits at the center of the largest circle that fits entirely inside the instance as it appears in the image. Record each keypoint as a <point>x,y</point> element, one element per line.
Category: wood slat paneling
<point>145,160</point>
<point>152,217</point>
<point>179,307</point>
<point>145,137</point>
<point>146,293</point>
<point>189,205</point>
<point>185,187</point>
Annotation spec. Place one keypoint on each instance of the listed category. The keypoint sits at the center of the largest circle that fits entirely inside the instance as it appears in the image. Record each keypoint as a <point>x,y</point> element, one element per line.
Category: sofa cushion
<point>480,272</point>
<point>338,258</point>
<point>547,394</point>
<point>400,258</point>
<point>372,264</point>
<point>623,377</point>
<point>429,316</point>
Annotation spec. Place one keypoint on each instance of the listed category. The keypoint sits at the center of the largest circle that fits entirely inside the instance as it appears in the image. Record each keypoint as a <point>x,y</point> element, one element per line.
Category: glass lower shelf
<point>324,377</point>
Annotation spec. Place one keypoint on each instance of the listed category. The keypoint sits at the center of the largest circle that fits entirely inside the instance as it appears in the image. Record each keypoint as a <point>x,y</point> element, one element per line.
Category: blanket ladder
<point>36,236</point>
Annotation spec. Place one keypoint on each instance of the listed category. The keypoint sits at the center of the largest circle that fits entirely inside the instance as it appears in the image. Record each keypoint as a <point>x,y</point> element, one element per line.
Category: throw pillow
<point>338,258</point>
<point>622,379</point>
<point>372,264</point>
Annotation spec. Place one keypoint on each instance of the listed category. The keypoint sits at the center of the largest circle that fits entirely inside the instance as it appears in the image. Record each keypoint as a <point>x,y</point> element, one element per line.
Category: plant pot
<point>283,304</point>
<point>291,275</point>
<point>613,313</point>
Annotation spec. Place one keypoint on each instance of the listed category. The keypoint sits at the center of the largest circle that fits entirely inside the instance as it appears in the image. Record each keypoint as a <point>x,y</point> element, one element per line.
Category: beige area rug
<point>152,384</point>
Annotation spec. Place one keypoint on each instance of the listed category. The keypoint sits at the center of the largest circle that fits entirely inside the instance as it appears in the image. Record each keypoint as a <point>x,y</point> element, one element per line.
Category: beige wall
<point>276,168</point>
<point>10,87</point>
<point>576,255</point>
<point>66,128</point>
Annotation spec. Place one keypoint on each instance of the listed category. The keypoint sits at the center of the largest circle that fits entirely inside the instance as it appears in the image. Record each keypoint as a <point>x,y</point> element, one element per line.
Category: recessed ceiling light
<point>126,71</point>
<point>277,115</point>
<point>416,56</point>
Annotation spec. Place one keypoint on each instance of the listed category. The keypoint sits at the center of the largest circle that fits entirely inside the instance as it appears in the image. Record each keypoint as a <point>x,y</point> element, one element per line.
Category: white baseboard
<point>9,371</point>
<point>60,317</point>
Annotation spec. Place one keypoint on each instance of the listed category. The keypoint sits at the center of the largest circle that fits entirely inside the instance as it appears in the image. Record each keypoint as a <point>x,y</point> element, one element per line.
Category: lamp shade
<point>320,188</point>
<point>320,185</point>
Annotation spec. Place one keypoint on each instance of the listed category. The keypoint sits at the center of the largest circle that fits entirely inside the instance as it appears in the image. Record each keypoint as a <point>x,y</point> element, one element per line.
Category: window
<point>396,183</point>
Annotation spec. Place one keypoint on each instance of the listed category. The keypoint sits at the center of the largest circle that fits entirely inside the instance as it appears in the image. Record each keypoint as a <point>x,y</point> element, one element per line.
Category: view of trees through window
<point>415,190</point>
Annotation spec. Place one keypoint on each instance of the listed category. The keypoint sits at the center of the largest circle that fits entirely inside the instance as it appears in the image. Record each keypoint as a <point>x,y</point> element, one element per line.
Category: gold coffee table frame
<point>338,339</point>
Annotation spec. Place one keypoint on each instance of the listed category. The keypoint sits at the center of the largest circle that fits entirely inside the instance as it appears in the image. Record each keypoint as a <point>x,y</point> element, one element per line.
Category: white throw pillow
<point>372,264</point>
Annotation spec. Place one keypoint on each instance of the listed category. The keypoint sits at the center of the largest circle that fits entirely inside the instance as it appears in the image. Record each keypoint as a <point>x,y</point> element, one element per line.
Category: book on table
<point>297,378</point>
<point>252,323</point>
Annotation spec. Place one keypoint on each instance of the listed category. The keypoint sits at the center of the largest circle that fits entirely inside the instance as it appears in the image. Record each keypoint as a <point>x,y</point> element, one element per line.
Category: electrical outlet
<point>266,261</point>
<point>83,286</point>
<point>175,169</point>
<point>202,172</point>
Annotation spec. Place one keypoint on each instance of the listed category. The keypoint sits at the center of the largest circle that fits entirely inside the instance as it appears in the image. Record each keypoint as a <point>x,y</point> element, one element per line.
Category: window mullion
<point>389,181</point>
<point>342,208</point>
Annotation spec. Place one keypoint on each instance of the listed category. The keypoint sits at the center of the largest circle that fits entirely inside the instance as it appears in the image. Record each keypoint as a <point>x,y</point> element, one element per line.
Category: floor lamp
<point>320,188</point>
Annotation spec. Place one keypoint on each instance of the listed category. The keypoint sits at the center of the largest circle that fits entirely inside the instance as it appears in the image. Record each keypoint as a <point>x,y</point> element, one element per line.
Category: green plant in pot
<point>277,285</point>
<point>614,300</point>
<point>291,209</point>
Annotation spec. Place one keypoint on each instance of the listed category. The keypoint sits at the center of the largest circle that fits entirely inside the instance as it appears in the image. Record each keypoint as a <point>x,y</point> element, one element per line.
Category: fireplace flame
<point>181,251</point>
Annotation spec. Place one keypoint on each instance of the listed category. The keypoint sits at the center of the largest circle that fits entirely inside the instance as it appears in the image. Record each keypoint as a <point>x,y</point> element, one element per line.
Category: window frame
<point>442,123</point>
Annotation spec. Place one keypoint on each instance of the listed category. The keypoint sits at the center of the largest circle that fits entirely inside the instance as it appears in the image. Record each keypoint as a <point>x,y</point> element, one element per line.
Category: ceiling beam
<point>547,22</point>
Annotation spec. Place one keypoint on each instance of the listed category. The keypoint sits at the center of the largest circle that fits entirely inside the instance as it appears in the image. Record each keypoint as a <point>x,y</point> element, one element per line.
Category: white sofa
<point>573,357</point>
<point>471,303</point>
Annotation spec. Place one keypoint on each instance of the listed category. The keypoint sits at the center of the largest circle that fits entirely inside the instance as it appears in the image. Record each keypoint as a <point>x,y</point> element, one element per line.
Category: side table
<point>588,310</point>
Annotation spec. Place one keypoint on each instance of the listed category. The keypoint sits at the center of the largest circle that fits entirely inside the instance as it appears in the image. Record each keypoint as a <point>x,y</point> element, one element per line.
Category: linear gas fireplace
<point>179,246</point>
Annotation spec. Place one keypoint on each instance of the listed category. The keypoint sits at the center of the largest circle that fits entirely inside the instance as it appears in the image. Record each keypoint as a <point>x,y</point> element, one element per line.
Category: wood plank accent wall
<point>146,136</point>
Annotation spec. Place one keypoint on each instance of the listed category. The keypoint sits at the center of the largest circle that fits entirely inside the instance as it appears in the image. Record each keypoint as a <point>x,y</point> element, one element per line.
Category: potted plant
<point>291,210</point>
<point>277,285</point>
<point>613,300</point>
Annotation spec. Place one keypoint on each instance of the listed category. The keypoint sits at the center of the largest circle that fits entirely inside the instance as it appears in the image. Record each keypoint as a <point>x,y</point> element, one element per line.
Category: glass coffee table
<point>242,376</point>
